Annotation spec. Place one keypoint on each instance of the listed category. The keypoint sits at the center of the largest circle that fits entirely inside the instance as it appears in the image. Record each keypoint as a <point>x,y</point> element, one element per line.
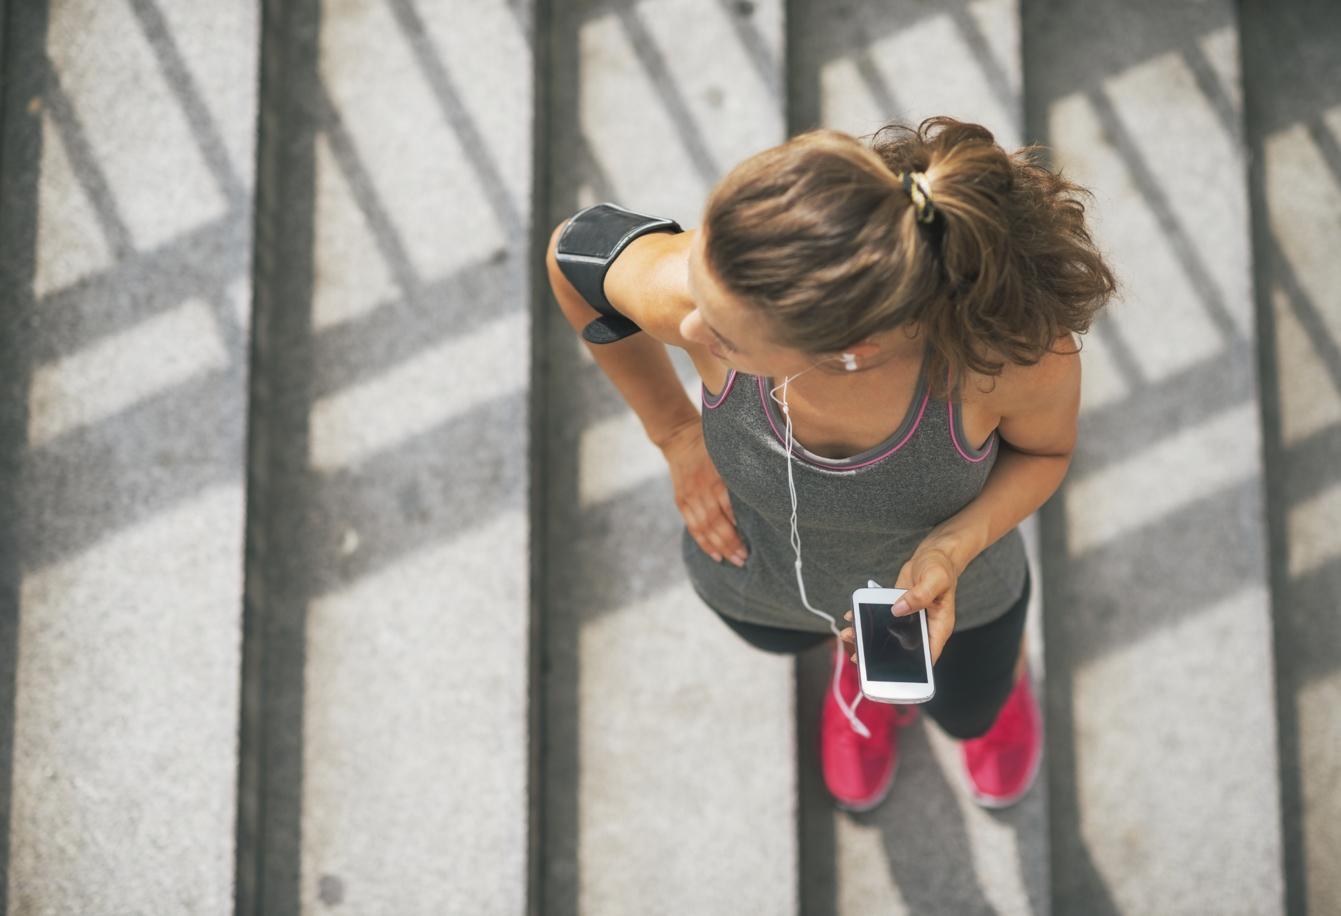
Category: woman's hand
<point>701,494</point>
<point>930,578</point>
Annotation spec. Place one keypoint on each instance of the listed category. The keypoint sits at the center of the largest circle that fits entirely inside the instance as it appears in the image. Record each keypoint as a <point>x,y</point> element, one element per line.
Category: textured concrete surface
<point>128,297</point>
<point>686,785</point>
<point>1161,681</point>
<point>1293,77</point>
<point>381,760</point>
<point>388,729</point>
<point>670,753</point>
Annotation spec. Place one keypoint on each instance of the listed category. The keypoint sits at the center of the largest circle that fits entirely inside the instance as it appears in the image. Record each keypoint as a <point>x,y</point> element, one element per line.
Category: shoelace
<point>850,711</point>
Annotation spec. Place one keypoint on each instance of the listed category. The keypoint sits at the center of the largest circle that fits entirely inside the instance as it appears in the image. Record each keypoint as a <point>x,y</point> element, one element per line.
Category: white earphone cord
<point>850,711</point>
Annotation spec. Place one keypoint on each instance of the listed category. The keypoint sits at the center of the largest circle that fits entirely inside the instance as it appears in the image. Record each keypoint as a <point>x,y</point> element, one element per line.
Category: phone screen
<point>892,645</point>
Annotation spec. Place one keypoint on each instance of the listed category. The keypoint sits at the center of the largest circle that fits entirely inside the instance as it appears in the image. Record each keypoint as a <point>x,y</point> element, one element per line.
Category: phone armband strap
<point>588,246</point>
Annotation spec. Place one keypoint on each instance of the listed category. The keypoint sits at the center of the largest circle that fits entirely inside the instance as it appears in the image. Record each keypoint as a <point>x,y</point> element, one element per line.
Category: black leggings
<point>974,675</point>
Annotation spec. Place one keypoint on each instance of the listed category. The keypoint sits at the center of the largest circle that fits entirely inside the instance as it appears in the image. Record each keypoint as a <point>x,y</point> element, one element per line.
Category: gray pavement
<point>438,573</point>
<point>126,326</point>
<point>1164,778</point>
<point>387,734</point>
<point>1293,75</point>
<point>670,744</point>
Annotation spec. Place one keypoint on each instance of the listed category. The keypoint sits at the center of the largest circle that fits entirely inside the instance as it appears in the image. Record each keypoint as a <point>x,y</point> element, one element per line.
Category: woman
<point>885,336</point>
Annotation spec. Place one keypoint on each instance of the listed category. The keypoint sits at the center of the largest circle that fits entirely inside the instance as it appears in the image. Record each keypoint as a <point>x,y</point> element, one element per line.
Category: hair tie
<point>919,189</point>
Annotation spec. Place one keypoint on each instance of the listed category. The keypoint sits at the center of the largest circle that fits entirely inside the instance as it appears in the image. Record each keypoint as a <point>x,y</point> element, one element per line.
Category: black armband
<point>588,246</point>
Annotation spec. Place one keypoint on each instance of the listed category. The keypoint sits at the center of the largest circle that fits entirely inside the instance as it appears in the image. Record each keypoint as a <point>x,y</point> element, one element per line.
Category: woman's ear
<point>860,351</point>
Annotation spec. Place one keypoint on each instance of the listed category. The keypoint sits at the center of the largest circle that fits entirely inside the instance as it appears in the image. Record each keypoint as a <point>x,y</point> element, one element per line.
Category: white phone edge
<point>891,691</point>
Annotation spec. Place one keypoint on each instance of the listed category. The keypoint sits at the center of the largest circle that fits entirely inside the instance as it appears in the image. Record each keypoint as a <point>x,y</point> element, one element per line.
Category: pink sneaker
<point>999,767</point>
<point>858,768</point>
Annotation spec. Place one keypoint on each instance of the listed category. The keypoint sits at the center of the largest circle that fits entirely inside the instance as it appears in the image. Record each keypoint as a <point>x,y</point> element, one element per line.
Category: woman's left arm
<point>1038,406</point>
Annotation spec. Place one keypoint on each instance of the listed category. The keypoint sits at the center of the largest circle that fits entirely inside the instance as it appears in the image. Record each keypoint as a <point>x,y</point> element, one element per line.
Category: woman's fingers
<point>931,587</point>
<point>702,498</point>
<point>939,628</point>
<point>849,636</point>
<point>735,547</point>
<point>926,584</point>
<point>713,530</point>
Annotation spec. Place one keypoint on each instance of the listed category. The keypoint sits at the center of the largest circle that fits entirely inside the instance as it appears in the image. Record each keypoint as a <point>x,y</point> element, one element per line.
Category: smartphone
<point>893,653</point>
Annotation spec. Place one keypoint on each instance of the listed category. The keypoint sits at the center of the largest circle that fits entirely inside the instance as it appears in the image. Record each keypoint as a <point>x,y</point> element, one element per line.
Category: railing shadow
<point>321,522</point>
<point>86,482</point>
<point>1293,80</point>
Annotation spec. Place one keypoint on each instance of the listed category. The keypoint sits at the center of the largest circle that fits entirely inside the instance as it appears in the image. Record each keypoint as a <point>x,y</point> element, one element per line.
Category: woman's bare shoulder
<point>1056,372</point>
<point>1036,405</point>
<point>649,282</point>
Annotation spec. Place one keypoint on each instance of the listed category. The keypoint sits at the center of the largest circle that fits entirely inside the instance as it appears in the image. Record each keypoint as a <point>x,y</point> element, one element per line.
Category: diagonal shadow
<point>1119,351</point>
<point>390,245</point>
<point>81,487</point>
<point>146,459</point>
<point>439,311</point>
<point>922,861</point>
<point>1292,75</point>
<point>820,33</point>
<point>1078,46</point>
<point>1077,886</point>
<point>876,84</point>
<point>1069,46</point>
<point>591,171</point>
<point>409,497</point>
<point>668,91</point>
<point>740,14</point>
<point>62,497</point>
<point>993,70</point>
<point>454,110</point>
<point>289,509</point>
<point>183,86</point>
<point>1308,467</point>
<point>1227,111</point>
<point>1306,311</point>
<point>1156,410</point>
<point>205,262</point>
<point>311,533</point>
<point>1327,144</point>
<point>1177,238</point>
<point>85,165</point>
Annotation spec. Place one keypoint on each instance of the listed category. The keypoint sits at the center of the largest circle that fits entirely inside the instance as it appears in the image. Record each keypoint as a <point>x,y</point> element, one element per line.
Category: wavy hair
<point>821,234</point>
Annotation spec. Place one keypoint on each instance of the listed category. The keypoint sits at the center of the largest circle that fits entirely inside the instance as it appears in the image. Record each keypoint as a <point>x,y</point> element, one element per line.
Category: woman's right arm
<point>648,283</point>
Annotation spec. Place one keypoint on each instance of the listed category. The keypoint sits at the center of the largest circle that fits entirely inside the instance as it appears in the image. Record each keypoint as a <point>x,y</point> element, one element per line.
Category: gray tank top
<point>860,518</point>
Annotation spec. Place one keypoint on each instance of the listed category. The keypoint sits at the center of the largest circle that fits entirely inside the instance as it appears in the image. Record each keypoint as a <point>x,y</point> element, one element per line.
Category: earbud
<point>849,362</point>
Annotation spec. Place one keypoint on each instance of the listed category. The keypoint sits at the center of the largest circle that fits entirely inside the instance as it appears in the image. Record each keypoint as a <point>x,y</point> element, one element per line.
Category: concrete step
<point>670,744</point>
<point>127,189</point>
<point>413,735</point>
<point>387,737</point>
<point>1293,99</point>
<point>1163,738</point>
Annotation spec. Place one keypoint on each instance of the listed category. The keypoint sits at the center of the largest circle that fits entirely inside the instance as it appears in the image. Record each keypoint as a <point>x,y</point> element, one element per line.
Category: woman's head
<point>823,237</point>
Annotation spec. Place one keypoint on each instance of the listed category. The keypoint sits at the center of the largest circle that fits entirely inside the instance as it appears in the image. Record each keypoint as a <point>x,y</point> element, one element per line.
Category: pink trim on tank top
<point>726,389</point>
<point>846,467</point>
<point>987,448</point>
